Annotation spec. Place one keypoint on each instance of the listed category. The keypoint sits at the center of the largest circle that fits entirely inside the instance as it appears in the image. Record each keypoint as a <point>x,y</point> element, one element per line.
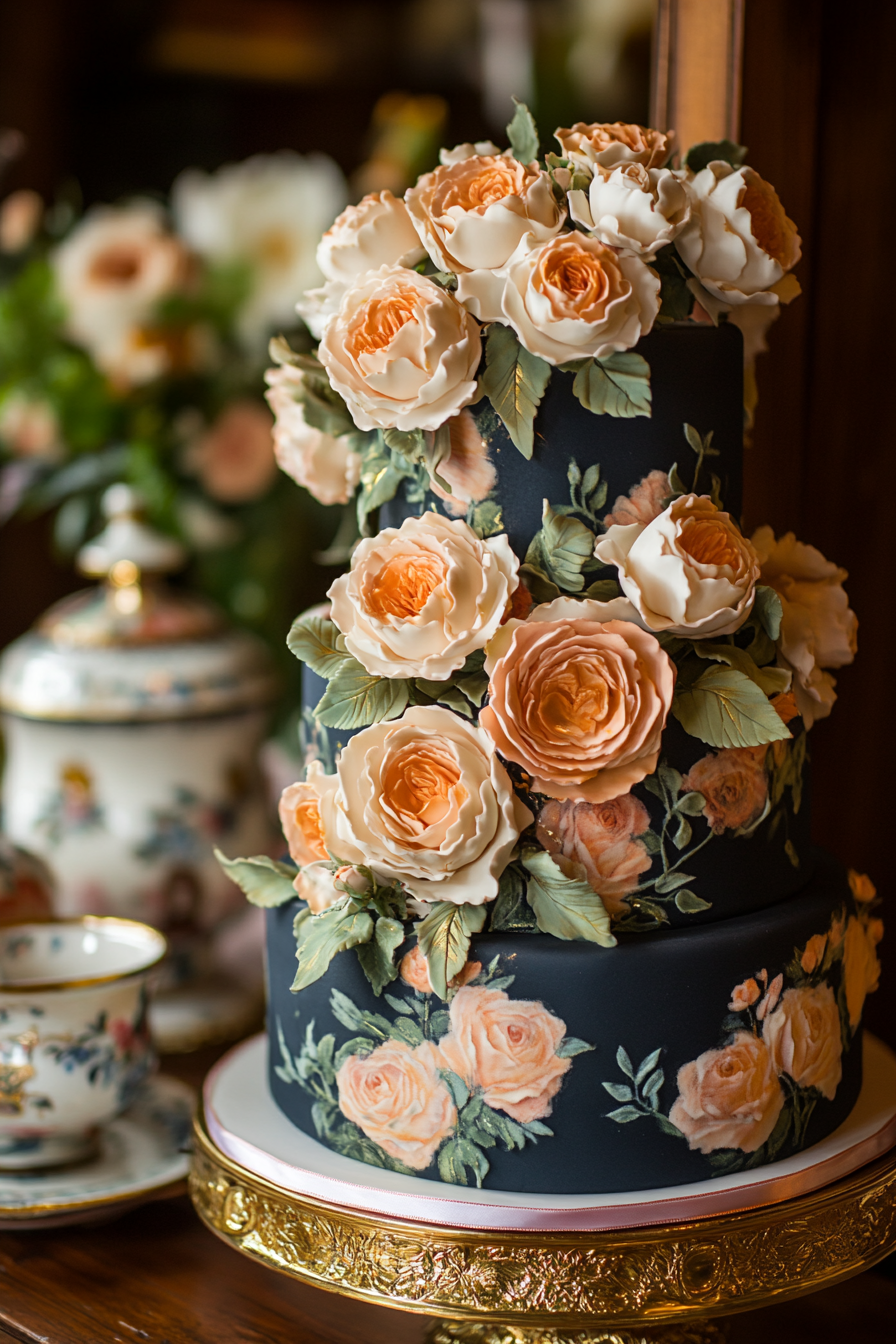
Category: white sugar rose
<point>738,242</point>
<point>818,627</point>
<point>569,299</point>
<point>401,351</point>
<point>425,801</point>
<point>640,209</point>
<point>419,599</point>
<point>607,144</point>
<point>689,572</point>
<point>472,213</point>
<point>375,232</point>
<point>327,467</point>
<point>468,151</point>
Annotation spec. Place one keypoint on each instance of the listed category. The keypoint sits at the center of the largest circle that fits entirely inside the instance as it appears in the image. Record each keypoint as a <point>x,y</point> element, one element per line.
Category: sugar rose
<point>578,699</point>
<point>401,351</point>
<point>472,214</point>
<point>234,458</point>
<point>818,628</point>
<point>397,1097</point>
<point>424,800</point>
<point>738,241</point>
<point>644,502</point>
<point>690,572</point>
<point>571,298</point>
<point>420,598</point>
<point>861,965</point>
<point>729,1098</point>
<point>327,467</point>
<point>803,1036</point>
<point>316,884</point>
<point>599,838</point>
<point>300,818</point>
<point>640,209</point>
<point>606,144</point>
<point>734,785</point>
<point>508,1048</point>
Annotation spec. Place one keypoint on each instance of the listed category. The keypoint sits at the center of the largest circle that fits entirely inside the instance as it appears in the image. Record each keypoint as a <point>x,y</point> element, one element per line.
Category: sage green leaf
<point>436,448</point>
<point>691,804</point>
<point>571,1046</point>
<point>354,698</point>
<point>561,549</point>
<point>486,519</point>
<point>726,709</point>
<point>647,1065</point>
<point>683,832</point>
<point>624,1062</point>
<point>689,904</point>
<point>618,1091</point>
<point>708,151</point>
<point>322,407</point>
<point>514,382</point>
<point>770,680</point>
<point>624,1114</point>
<point>317,643</point>
<point>263,881</point>
<point>444,938</point>
<point>676,300</point>
<point>618,385</point>
<point>474,687</point>
<point>603,590</point>
<point>671,882</point>
<point>408,443</point>
<point>320,937</point>
<point>523,134</point>
<point>564,906</point>
<point>539,585</point>
<point>768,610</point>
<point>377,957</point>
<point>511,912</point>
<point>460,1093</point>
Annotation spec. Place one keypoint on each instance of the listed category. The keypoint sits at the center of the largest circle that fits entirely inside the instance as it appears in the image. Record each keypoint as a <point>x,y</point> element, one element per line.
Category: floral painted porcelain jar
<point>132,717</point>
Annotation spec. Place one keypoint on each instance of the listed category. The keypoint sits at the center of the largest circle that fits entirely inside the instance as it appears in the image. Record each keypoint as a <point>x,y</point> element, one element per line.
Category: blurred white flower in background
<point>269,213</point>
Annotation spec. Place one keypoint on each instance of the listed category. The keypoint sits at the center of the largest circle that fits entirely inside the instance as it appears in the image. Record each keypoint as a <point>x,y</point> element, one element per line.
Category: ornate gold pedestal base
<point>640,1283</point>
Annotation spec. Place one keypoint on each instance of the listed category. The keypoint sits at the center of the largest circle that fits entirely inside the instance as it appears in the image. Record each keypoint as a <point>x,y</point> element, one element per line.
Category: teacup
<point>74,1038</point>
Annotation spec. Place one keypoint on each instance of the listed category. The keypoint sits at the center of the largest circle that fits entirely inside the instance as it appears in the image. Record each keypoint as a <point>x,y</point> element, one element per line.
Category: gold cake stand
<point>665,1283</point>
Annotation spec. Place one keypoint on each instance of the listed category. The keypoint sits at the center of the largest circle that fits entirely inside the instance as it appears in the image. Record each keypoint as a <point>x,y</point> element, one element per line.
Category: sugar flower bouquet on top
<point>500,716</point>
<point>132,342</point>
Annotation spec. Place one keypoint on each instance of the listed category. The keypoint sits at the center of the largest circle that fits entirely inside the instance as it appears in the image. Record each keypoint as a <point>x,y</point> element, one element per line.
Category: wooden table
<point>157,1276</point>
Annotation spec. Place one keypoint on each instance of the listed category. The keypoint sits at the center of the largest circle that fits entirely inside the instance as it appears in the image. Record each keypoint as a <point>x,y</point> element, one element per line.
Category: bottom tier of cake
<point>565,1068</point>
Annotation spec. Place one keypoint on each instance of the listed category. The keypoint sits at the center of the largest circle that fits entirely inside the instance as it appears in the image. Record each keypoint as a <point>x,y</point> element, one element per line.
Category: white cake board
<point>247,1126</point>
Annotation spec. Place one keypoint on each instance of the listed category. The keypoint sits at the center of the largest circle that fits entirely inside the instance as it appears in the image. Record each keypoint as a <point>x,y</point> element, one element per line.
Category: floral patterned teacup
<point>74,1041</point>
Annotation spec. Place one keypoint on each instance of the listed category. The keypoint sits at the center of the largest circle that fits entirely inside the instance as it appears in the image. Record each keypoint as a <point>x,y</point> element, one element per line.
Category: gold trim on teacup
<point>87,922</point>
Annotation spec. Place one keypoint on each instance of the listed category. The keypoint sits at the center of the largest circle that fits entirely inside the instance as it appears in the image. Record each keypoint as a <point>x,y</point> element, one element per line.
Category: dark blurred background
<point>117,96</point>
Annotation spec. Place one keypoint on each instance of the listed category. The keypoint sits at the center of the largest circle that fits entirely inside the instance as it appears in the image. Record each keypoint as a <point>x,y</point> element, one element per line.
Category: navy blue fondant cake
<point>552,921</point>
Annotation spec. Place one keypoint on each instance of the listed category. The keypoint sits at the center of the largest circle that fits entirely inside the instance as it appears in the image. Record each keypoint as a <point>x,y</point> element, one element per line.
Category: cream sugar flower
<point>425,801</point>
<point>604,144</point>
<point>633,207</point>
<point>689,572</point>
<point>326,466</point>
<point>419,599</point>
<point>472,212</point>
<point>401,351</point>
<point>570,298</point>
<point>738,242</point>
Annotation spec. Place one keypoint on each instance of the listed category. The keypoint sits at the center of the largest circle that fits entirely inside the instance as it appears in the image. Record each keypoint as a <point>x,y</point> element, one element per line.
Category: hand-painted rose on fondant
<point>602,839</point>
<point>397,1097</point>
<point>861,886</point>
<point>744,995</point>
<point>861,964</point>
<point>734,785</point>
<point>606,144</point>
<point>640,209</point>
<point>327,467</point>
<point>414,971</point>
<point>570,298</point>
<point>644,502</point>
<point>818,627</point>
<point>689,572</point>
<point>803,1036</point>
<point>420,598</point>
<point>812,954</point>
<point>468,469</point>
<point>729,1098</point>
<point>508,1048</point>
<point>425,801</point>
<point>472,213</point>
<point>401,351</point>
<point>578,699</point>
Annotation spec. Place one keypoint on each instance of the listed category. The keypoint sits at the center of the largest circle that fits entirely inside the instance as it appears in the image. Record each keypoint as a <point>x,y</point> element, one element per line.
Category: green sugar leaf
<point>618,385</point>
<point>444,938</point>
<point>564,906</point>
<point>726,709</point>
<point>523,134</point>
<point>770,680</point>
<point>709,151</point>
<point>355,699</point>
<point>514,382</point>
<point>263,881</point>
<point>317,643</point>
<point>560,550</point>
<point>768,611</point>
<point>320,937</point>
<point>377,957</point>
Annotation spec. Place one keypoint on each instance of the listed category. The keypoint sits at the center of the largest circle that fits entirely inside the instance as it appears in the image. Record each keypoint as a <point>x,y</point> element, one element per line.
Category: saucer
<point>143,1155</point>
<point>245,1124</point>
<point>207,1012</point>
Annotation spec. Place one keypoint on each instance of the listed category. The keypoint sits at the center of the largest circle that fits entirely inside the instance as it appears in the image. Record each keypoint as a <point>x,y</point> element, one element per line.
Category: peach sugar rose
<point>327,467</point>
<point>734,785</point>
<point>420,598</point>
<point>508,1048</point>
<point>803,1035</point>
<point>729,1098</point>
<point>601,839</point>
<point>472,213</point>
<point>401,351</point>
<point>234,458</point>
<point>578,699</point>
<point>607,144</point>
<point>396,1096</point>
<point>300,818</point>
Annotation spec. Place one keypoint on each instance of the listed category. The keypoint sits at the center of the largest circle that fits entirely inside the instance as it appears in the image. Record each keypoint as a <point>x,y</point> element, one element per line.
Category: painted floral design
<point>603,838</point>
<point>435,1084</point>
<point>749,1100</point>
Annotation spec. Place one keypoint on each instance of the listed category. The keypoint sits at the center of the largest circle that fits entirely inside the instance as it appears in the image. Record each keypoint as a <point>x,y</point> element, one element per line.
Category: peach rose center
<point>767,219</point>
<point>421,787</point>
<point>116,266</point>
<point>404,585</point>
<point>581,283</point>
<point>709,543</point>
<point>577,700</point>
<point>378,321</point>
<point>495,181</point>
<point>308,820</point>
